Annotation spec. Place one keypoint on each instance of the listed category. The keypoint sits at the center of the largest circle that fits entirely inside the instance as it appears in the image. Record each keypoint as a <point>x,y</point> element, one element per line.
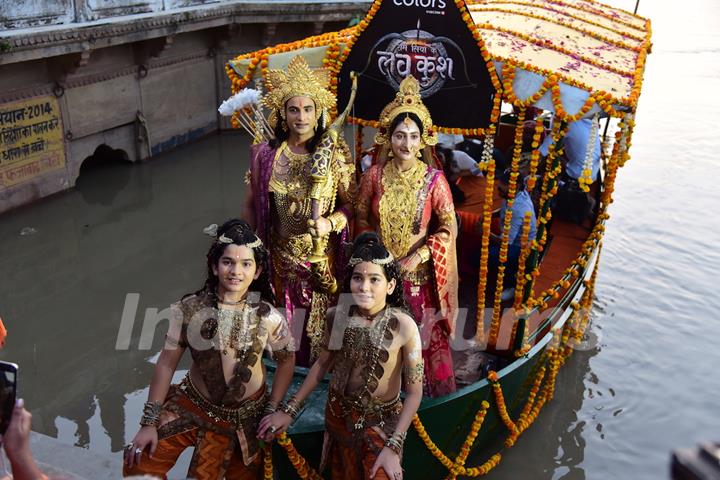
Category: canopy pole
<point>607,125</point>
<point>637,4</point>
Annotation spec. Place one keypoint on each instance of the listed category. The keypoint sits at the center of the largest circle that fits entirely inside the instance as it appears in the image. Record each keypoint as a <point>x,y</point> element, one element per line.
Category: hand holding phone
<point>8,393</point>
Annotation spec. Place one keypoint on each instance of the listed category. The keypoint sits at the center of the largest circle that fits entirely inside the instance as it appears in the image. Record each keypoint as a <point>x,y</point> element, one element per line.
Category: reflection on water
<point>65,286</point>
<point>649,386</point>
<point>554,447</point>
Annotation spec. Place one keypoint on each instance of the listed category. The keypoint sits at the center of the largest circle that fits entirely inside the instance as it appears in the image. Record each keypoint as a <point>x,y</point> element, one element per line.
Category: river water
<point>132,235</point>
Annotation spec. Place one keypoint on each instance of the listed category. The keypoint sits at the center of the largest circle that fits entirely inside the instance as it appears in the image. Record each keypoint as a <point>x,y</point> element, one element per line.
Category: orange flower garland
<point>452,467</point>
<point>267,463</point>
<point>524,252</point>
<point>589,33</point>
<point>552,46</point>
<point>501,407</point>
<point>535,156</point>
<point>512,188</point>
<point>549,188</point>
<point>470,440</point>
<point>298,461</point>
<point>484,247</point>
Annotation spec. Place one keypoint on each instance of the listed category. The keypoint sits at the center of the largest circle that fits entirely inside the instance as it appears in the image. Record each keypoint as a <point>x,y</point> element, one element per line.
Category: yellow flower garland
<point>484,248</point>
<point>584,31</point>
<point>512,188</point>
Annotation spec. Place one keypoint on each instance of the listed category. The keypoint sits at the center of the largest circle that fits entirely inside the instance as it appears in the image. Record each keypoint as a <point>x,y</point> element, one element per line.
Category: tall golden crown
<point>298,81</point>
<point>407,100</point>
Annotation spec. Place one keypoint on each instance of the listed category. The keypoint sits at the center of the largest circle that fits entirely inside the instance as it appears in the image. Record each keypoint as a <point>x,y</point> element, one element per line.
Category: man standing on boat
<point>279,202</point>
<point>581,145</point>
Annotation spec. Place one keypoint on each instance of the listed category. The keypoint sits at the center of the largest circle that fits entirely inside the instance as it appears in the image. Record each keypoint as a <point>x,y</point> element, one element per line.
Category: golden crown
<point>407,100</point>
<point>298,81</point>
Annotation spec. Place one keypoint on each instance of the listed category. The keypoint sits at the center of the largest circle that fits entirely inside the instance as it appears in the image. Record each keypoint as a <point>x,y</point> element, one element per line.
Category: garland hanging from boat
<point>542,390</point>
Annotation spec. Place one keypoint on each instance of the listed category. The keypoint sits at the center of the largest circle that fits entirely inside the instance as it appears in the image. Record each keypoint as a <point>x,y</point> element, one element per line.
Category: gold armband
<point>282,356</point>
<point>414,374</point>
<point>424,253</point>
<point>338,221</point>
<point>447,217</point>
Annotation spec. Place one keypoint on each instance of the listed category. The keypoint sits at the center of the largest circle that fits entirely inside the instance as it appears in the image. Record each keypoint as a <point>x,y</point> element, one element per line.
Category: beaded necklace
<point>365,344</point>
<point>234,330</point>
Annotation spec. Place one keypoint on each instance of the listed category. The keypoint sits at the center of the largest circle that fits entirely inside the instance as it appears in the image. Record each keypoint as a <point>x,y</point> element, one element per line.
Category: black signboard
<point>429,40</point>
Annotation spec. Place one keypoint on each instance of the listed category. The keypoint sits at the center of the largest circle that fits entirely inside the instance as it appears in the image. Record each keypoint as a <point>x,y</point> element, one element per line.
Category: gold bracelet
<point>337,220</point>
<point>151,414</point>
<point>424,253</point>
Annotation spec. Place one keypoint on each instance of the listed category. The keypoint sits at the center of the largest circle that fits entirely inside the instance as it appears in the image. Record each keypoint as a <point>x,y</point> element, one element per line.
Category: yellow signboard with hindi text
<point>31,140</point>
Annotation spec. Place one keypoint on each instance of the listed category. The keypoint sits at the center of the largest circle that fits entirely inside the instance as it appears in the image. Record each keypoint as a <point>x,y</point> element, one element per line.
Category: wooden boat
<point>572,58</point>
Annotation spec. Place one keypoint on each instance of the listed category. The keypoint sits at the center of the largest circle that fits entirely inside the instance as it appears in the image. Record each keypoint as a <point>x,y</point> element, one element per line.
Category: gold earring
<point>284,126</point>
<point>419,154</point>
<point>390,154</point>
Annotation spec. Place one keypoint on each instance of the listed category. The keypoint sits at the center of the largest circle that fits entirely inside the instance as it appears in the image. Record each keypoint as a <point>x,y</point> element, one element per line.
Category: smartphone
<point>8,390</point>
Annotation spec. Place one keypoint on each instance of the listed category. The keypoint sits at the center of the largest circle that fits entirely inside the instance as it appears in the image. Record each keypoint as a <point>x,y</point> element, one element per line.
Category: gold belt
<point>421,275</point>
<point>296,247</point>
<point>375,408</point>
<point>249,408</point>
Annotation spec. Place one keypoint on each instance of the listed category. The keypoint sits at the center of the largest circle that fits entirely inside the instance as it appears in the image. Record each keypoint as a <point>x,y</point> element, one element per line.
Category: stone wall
<point>140,83</point>
<point>36,13</point>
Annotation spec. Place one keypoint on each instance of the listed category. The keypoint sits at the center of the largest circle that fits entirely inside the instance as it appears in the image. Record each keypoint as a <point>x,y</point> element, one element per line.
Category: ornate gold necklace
<point>234,330</point>
<point>398,205</point>
<point>296,162</point>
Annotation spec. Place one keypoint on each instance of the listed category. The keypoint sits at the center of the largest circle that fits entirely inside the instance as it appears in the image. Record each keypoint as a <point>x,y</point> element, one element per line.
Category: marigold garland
<point>535,156</point>
<point>505,238</point>
<point>449,464</point>
<point>556,355</point>
<point>590,33</point>
<point>524,252</point>
<point>485,240</point>
<point>549,188</point>
<point>298,461</point>
<point>549,45</point>
<point>267,463</point>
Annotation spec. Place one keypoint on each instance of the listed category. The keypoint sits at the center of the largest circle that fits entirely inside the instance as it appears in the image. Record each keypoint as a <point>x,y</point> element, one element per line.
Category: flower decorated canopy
<point>584,47</point>
<point>575,58</point>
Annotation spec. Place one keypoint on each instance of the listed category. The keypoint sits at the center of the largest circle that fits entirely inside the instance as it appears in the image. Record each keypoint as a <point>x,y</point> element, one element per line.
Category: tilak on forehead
<point>298,81</point>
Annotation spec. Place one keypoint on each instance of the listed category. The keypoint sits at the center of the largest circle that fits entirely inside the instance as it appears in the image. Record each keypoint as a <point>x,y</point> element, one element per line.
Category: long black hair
<point>282,134</point>
<point>240,232</point>
<point>368,247</point>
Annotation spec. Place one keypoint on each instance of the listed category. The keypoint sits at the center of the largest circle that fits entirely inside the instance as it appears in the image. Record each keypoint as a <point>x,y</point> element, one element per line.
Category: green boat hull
<point>448,419</point>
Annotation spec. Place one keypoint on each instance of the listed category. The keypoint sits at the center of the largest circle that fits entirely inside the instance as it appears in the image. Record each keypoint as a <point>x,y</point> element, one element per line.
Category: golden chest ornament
<point>399,204</point>
<point>290,185</point>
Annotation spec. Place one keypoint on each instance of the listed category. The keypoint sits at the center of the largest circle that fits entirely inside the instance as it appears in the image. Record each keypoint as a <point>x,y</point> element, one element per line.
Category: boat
<point>569,59</point>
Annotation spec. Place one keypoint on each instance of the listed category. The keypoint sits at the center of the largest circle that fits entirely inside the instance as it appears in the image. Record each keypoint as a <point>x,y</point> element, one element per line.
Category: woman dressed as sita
<point>409,204</point>
<point>284,193</point>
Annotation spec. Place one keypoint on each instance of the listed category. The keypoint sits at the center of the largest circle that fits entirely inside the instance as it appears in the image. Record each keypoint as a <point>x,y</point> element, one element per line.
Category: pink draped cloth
<point>433,303</point>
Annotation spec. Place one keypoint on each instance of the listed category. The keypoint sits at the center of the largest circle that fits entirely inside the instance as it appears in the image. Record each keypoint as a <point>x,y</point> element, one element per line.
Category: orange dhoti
<point>349,451</point>
<point>222,449</point>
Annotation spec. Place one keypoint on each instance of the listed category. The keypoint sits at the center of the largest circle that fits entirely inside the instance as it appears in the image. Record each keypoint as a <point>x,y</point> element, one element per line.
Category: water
<point>648,386</point>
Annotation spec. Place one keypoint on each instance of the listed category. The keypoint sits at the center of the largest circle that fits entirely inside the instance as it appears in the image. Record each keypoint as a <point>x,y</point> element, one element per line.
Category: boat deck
<point>565,242</point>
